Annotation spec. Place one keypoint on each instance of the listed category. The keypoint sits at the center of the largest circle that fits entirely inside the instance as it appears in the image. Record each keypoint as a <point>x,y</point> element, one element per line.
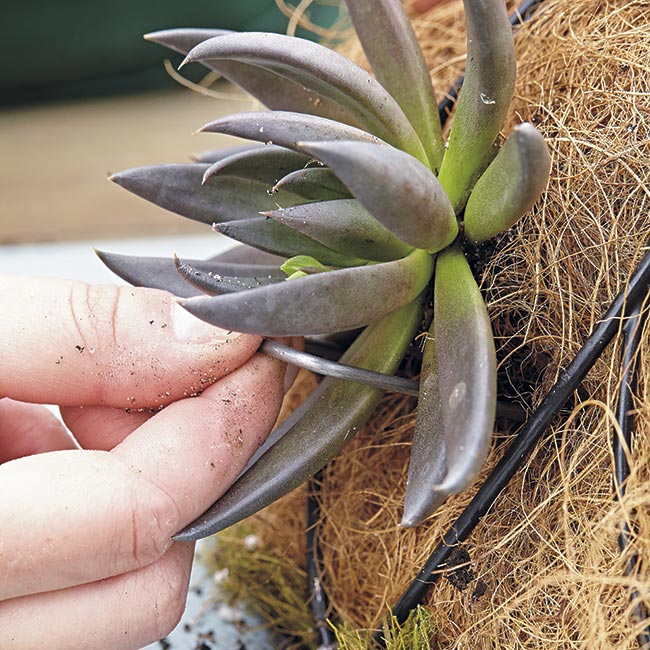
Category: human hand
<point>86,556</point>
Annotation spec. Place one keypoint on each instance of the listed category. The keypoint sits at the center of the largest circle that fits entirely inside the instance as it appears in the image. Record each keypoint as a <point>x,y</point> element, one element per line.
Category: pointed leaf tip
<point>183,39</point>
<point>274,91</point>
<point>316,183</point>
<point>285,128</point>
<point>214,283</point>
<point>273,237</point>
<point>345,226</point>
<point>162,273</point>
<point>266,164</point>
<point>178,188</point>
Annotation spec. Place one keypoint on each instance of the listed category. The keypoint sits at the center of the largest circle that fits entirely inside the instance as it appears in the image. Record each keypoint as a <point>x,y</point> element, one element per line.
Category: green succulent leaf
<point>345,226</point>
<point>394,53</point>
<point>484,98</point>
<point>320,303</point>
<point>316,183</point>
<point>323,71</point>
<point>161,273</point>
<point>457,404</point>
<point>274,91</point>
<point>398,190</point>
<point>274,237</point>
<point>303,264</point>
<point>215,155</point>
<point>285,129</point>
<point>509,186</point>
<point>329,419</point>
<point>265,164</point>
<point>178,188</point>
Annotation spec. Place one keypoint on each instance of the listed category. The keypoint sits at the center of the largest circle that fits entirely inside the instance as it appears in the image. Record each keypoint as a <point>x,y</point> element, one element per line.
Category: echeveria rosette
<point>352,183</point>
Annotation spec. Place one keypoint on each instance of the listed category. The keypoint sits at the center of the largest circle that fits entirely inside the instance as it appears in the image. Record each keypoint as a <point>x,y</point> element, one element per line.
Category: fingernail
<point>189,329</point>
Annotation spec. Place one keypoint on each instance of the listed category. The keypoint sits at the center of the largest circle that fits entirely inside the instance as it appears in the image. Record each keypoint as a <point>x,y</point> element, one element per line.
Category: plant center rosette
<point>352,212</point>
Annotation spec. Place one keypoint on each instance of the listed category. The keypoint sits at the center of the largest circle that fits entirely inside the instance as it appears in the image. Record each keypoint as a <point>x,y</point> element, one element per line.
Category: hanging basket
<point>543,568</point>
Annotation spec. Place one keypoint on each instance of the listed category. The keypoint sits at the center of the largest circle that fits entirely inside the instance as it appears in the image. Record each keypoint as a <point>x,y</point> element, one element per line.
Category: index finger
<point>69,343</point>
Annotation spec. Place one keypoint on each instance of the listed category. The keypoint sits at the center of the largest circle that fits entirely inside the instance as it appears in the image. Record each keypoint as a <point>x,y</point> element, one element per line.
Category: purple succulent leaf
<point>330,418</point>
<point>457,404</point>
<point>397,60</point>
<point>396,189</point>
<point>323,71</point>
<point>484,99</point>
<point>216,284</point>
<point>152,272</point>
<point>314,183</point>
<point>178,188</point>
<point>346,226</point>
<point>280,431</point>
<point>320,303</point>
<point>509,187</point>
<point>243,255</point>
<point>215,155</point>
<point>276,238</point>
<point>266,164</point>
<point>273,90</point>
<point>285,128</point>
<point>161,273</point>
<point>182,40</point>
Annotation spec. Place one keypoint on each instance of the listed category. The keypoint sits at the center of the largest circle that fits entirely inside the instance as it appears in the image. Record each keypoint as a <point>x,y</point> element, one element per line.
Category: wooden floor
<point>54,163</point>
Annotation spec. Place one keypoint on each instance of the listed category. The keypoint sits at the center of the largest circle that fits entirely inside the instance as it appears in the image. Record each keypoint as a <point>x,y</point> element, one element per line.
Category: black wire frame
<point>626,317</point>
<point>621,312</point>
<point>622,445</point>
<point>317,596</point>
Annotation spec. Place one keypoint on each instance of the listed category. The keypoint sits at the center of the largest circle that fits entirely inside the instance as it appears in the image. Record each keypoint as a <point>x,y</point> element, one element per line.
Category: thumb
<point>69,343</point>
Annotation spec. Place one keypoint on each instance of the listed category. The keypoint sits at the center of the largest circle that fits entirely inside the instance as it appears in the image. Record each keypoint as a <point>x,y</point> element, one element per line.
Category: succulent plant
<point>349,212</point>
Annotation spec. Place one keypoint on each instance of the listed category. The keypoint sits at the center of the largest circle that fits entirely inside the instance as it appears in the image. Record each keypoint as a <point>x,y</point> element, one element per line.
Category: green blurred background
<point>54,49</point>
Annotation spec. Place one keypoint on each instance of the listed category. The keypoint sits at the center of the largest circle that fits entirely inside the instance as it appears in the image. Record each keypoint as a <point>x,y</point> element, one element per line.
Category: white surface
<point>77,260</point>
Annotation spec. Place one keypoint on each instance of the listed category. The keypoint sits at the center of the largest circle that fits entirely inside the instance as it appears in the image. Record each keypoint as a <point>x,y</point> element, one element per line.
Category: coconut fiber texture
<point>543,569</point>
